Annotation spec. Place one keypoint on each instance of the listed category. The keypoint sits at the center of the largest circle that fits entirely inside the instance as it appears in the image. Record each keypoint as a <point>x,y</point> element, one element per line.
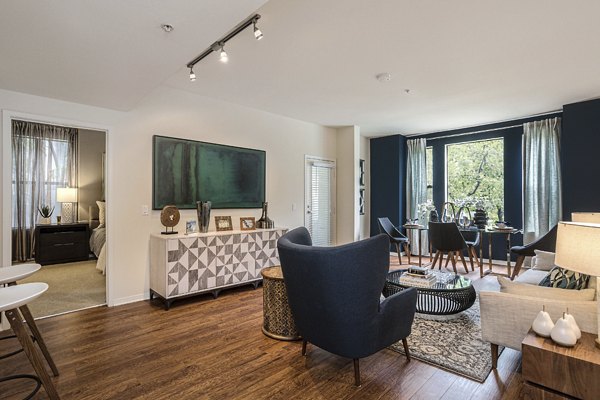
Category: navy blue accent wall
<point>580,164</point>
<point>388,180</point>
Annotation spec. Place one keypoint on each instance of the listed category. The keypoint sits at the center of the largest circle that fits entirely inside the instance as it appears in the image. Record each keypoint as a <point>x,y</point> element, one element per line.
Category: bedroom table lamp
<point>578,249</point>
<point>67,196</point>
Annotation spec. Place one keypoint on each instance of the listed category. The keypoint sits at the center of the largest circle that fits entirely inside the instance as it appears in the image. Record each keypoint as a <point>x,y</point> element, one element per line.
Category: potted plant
<point>45,213</point>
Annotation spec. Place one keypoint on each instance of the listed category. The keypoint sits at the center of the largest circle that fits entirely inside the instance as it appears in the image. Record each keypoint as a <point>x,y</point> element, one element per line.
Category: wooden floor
<point>214,349</point>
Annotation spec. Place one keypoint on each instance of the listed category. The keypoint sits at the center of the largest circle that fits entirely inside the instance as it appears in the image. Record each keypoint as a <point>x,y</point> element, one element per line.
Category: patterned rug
<point>453,344</point>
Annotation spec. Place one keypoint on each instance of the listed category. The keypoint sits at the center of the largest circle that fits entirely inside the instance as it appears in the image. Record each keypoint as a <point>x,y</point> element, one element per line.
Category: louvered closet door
<point>320,201</point>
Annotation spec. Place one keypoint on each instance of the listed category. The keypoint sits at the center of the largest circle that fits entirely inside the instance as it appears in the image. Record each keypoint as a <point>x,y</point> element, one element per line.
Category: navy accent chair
<point>446,238</point>
<point>334,294</point>
<point>545,243</point>
<point>396,237</point>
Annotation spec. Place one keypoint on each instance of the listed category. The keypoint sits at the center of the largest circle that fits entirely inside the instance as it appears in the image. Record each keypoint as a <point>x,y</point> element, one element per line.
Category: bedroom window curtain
<point>44,159</point>
<point>416,187</point>
<point>542,200</point>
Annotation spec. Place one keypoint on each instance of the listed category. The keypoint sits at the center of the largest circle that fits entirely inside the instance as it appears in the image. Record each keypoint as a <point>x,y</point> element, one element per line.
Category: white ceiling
<point>466,62</point>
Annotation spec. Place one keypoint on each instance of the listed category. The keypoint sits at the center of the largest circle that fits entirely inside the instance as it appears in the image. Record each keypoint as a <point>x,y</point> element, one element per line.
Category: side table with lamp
<point>548,368</point>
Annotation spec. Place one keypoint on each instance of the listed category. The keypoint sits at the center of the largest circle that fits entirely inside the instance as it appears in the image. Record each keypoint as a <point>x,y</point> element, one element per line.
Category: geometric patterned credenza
<point>185,265</point>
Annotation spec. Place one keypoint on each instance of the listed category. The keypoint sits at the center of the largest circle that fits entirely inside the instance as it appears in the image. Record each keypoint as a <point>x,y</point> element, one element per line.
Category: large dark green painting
<point>186,171</point>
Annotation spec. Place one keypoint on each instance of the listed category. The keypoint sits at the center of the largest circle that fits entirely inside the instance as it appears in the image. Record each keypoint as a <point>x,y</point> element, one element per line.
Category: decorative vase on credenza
<point>265,222</point>
<point>203,211</point>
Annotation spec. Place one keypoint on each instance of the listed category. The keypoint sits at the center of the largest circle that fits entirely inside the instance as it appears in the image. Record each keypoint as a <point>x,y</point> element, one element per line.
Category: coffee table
<point>450,294</point>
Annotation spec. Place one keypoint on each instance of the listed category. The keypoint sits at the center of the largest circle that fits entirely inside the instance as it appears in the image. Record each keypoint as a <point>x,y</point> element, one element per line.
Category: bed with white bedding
<point>98,238</point>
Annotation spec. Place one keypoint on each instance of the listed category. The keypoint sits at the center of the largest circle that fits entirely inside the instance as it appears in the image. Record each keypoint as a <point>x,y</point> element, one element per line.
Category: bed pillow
<point>524,289</point>
<point>565,279</point>
<point>543,260</point>
<point>101,212</point>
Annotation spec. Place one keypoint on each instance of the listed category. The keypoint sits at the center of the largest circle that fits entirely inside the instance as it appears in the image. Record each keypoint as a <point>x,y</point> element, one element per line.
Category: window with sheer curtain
<point>44,159</point>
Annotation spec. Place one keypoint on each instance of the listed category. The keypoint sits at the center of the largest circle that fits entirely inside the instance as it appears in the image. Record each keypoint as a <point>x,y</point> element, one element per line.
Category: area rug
<point>454,345</point>
<point>71,286</point>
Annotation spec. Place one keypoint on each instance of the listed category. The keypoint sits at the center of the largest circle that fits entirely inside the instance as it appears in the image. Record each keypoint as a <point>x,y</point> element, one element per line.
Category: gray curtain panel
<point>416,187</point>
<point>542,200</point>
<point>44,159</point>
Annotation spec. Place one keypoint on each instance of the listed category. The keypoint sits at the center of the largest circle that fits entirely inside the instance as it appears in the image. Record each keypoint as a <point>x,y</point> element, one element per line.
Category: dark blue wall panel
<point>388,180</point>
<point>580,145</point>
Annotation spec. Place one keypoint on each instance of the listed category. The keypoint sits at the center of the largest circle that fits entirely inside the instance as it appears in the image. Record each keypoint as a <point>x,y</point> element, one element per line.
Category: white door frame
<point>307,160</point>
<point>7,117</point>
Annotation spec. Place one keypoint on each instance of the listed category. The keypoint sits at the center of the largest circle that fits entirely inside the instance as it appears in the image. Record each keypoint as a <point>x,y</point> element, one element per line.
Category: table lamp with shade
<point>67,196</point>
<point>578,249</point>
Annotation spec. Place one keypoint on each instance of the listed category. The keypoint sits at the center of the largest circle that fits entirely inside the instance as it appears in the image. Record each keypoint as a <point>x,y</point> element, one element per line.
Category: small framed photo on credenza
<point>223,223</point>
<point>247,223</point>
<point>191,227</point>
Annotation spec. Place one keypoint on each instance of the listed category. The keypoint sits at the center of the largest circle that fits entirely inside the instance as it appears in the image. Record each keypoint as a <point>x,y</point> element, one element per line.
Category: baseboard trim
<point>129,299</point>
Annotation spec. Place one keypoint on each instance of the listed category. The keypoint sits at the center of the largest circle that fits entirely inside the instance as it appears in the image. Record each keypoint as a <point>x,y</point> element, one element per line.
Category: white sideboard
<point>185,265</point>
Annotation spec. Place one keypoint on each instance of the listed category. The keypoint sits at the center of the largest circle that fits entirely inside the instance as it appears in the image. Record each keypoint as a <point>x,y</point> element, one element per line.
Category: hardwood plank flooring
<point>214,349</point>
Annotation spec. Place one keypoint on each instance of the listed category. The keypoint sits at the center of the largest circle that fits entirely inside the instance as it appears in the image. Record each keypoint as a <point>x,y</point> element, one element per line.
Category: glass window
<point>429,161</point>
<point>475,174</point>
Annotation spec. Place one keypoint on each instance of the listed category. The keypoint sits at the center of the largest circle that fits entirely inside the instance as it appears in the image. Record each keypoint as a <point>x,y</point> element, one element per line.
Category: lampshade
<point>578,247</point>
<point>66,195</point>
<point>593,217</point>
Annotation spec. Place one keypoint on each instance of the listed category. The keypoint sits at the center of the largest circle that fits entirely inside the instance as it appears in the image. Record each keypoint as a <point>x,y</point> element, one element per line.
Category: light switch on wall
<point>145,210</point>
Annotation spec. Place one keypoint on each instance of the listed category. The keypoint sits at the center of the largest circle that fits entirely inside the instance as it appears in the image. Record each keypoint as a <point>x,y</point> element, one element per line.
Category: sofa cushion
<point>532,276</point>
<point>565,279</point>
<point>543,260</point>
<point>524,289</point>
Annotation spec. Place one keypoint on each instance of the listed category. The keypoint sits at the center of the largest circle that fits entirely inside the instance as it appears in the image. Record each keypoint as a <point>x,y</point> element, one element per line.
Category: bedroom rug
<point>454,344</point>
<point>71,286</point>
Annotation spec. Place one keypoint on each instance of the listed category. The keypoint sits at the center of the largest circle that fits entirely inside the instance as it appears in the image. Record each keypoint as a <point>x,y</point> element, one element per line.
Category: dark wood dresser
<point>61,243</point>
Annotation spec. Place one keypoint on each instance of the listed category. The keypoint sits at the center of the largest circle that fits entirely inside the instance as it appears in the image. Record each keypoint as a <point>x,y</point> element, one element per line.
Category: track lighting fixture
<point>219,45</point>
<point>257,33</point>
<point>223,55</point>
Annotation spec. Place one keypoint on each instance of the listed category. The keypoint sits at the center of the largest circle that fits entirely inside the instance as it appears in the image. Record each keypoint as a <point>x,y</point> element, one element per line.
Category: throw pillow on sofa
<point>565,279</point>
<point>524,289</point>
<point>543,260</point>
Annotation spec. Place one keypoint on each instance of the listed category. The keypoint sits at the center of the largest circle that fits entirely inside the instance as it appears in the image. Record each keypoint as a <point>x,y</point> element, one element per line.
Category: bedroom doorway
<point>58,212</point>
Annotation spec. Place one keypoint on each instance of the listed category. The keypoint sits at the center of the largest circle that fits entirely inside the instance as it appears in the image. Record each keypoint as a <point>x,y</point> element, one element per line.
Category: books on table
<point>418,279</point>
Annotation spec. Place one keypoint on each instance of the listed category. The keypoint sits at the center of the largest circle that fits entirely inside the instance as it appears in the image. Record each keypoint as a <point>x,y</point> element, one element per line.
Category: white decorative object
<point>563,333</point>
<point>542,324</point>
<point>67,196</point>
<point>574,325</point>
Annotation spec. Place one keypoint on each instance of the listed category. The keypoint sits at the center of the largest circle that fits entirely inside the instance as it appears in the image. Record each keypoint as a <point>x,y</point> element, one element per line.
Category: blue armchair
<point>334,295</point>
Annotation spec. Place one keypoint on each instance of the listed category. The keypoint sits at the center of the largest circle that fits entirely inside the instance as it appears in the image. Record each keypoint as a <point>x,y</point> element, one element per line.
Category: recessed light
<point>407,91</point>
<point>384,77</point>
<point>167,28</point>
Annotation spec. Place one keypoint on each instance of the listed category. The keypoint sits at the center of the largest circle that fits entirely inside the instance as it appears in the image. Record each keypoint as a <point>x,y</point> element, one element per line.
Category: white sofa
<point>506,315</point>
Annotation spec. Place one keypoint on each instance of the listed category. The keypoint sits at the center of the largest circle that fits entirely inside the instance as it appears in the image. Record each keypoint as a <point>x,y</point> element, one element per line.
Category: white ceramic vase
<point>563,333</point>
<point>44,221</point>
<point>542,324</point>
<point>573,324</point>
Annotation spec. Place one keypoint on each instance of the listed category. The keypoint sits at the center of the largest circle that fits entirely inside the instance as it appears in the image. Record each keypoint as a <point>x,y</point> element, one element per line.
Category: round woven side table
<point>278,320</point>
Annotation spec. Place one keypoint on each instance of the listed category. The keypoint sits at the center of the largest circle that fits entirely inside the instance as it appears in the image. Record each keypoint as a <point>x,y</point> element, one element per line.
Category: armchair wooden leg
<point>477,260</point>
<point>435,258</point>
<point>470,254</point>
<point>518,266</point>
<point>453,259</point>
<point>407,251</point>
<point>494,355</point>
<point>448,257</point>
<point>405,344</point>
<point>303,347</point>
<point>462,258</point>
<point>399,254</point>
<point>356,372</point>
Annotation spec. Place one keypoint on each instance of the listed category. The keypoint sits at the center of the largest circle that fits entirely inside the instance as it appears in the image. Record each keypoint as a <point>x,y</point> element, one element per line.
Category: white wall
<point>347,218</point>
<point>89,187</point>
<point>172,112</point>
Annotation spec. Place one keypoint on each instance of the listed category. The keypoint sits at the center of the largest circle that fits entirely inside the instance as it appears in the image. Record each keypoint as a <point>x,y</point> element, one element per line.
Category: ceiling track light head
<point>192,74</point>
<point>223,54</point>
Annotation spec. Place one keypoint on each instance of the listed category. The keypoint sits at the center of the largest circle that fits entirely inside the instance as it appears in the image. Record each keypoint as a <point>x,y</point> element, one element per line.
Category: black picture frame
<point>185,171</point>
<point>361,171</point>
